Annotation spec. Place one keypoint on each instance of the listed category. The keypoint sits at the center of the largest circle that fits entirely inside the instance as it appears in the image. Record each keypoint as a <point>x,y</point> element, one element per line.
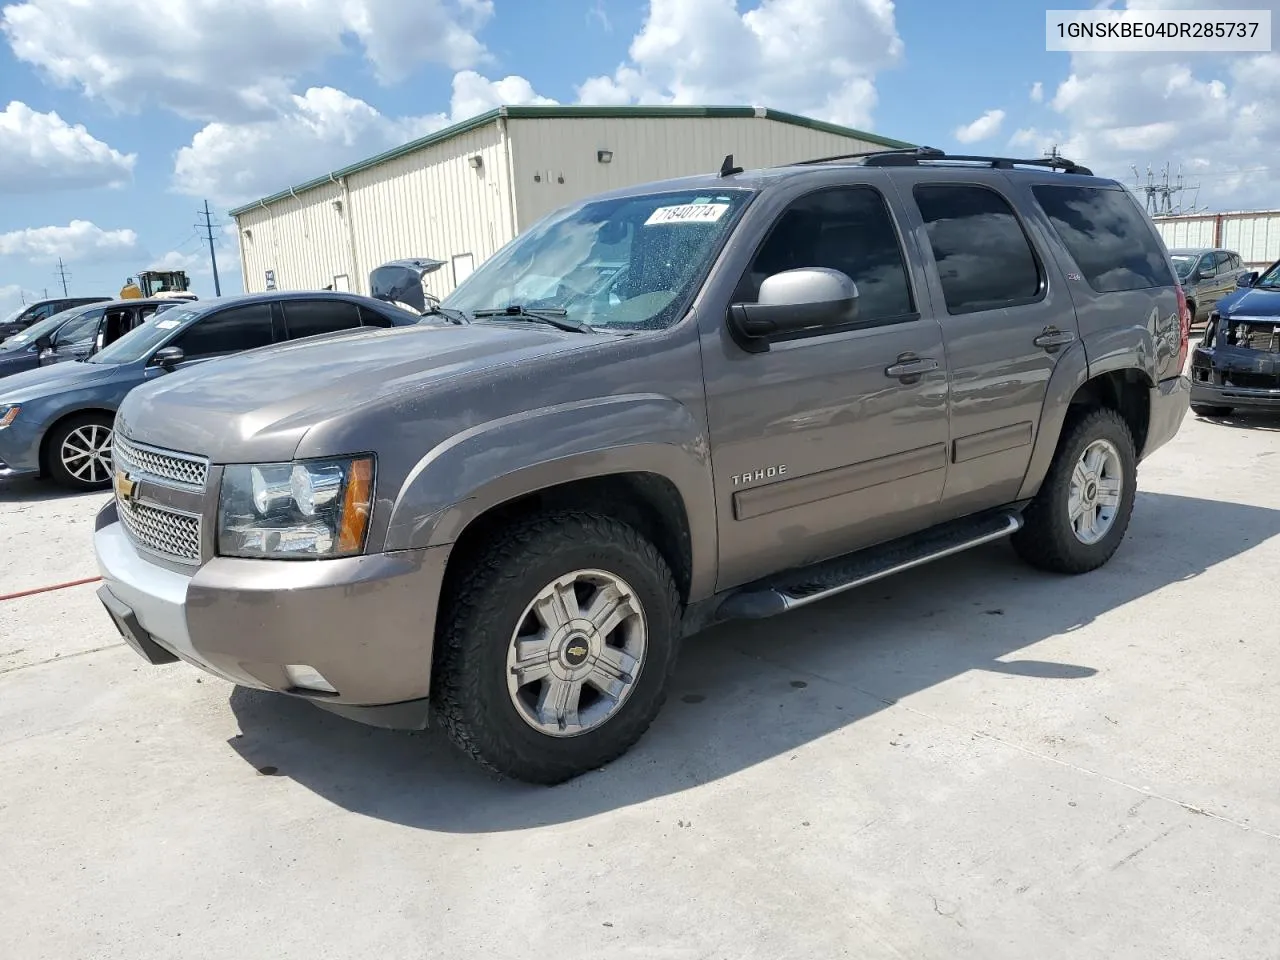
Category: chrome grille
<point>181,469</point>
<point>165,532</point>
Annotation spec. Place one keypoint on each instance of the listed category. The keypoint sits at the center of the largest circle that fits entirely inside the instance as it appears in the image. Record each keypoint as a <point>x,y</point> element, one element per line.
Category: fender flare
<point>1070,373</point>
<point>492,463</point>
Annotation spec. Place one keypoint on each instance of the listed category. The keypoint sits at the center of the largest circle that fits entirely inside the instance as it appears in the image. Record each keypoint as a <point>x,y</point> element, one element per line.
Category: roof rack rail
<point>904,151</point>
<point>912,158</point>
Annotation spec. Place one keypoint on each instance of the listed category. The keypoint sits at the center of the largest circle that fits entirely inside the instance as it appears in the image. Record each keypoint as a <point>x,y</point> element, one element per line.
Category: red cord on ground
<point>56,586</point>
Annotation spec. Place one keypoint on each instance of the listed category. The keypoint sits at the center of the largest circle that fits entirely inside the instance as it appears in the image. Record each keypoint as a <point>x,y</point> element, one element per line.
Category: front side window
<point>628,263</point>
<point>1108,236</point>
<point>81,330</point>
<point>227,331</point>
<point>984,259</point>
<point>847,229</point>
<point>309,318</point>
<point>142,340</point>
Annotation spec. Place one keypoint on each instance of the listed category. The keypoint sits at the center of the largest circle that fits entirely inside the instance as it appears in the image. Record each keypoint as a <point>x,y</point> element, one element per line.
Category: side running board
<point>798,588</point>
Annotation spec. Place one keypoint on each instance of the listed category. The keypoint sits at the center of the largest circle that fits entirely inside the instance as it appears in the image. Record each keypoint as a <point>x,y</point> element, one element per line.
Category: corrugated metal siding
<point>647,149</point>
<point>433,203</point>
<point>302,240</point>
<point>1255,235</point>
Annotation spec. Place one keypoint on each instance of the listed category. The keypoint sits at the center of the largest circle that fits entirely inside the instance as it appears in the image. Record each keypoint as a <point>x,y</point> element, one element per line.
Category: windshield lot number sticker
<point>687,213</point>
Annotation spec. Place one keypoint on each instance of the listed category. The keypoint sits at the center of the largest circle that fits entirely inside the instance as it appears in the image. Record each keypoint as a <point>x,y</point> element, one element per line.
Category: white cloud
<point>984,128</point>
<point>323,129</point>
<point>176,260</point>
<point>815,57</point>
<point>1212,115</point>
<point>80,240</point>
<point>41,152</point>
<point>232,59</point>
<point>10,298</point>
<point>1037,92</point>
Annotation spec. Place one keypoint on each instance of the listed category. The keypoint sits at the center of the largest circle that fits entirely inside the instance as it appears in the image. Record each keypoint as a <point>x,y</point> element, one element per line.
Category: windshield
<point>141,340</point>
<point>629,263</point>
<point>1182,264</point>
<point>40,328</point>
<point>1271,278</point>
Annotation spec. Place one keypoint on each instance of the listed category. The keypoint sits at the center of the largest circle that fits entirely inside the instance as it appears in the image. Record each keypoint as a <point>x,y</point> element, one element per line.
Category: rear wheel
<point>79,452</point>
<point>1077,520</point>
<point>557,648</point>
<point>1204,410</point>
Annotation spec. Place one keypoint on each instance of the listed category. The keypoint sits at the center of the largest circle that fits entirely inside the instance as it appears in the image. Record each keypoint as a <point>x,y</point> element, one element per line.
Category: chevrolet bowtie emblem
<point>126,486</point>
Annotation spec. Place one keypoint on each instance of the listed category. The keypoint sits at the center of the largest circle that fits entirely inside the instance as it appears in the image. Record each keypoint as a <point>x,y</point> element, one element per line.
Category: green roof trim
<point>557,112</point>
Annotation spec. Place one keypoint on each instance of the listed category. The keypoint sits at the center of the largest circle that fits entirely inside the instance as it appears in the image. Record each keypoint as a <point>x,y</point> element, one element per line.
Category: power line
<point>207,225</point>
<point>63,276</point>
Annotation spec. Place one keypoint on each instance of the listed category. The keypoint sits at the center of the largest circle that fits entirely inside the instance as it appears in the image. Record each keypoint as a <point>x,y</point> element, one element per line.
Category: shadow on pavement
<point>1248,420</point>
<point>747,692</point>
<point>35,490</point>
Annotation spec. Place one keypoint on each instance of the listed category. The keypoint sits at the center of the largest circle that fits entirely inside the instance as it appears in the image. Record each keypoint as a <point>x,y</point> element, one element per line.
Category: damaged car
<point>1237,365</point>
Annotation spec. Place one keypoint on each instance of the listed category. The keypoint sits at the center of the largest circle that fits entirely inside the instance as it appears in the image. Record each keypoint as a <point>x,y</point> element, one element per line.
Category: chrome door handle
<point>1053,338</point>
<point>913,367</point>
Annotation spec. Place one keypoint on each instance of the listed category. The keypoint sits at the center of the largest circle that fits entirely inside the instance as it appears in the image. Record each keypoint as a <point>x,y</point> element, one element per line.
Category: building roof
<point>573,112</point>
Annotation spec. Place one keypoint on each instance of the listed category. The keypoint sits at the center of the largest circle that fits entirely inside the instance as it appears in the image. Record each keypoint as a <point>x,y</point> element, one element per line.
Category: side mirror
<point>1247,279</point>
<point>795,300</point>
<point>166,358</point>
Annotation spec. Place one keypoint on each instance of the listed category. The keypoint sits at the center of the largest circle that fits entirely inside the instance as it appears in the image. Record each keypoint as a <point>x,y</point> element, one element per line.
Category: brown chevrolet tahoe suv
<point>719,397</point>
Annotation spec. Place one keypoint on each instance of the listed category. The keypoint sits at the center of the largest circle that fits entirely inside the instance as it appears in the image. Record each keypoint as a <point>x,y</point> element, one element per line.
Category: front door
<point>1007,318</point>
<point>835,439</point>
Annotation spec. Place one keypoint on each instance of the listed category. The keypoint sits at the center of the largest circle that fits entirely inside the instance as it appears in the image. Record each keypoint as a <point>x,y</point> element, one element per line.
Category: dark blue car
<point>1237,365</point>
<point>57,420</point>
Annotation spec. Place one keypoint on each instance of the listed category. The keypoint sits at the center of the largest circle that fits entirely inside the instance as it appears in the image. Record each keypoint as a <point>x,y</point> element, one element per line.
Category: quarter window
<point>1107,235</point>
<point>847,229</point>
<point>984,258</point>
<point>228,331</point>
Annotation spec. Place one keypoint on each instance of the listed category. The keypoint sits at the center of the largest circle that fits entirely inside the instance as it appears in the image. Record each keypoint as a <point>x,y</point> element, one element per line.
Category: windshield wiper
<point>454,316</point>
<point>553,316</point>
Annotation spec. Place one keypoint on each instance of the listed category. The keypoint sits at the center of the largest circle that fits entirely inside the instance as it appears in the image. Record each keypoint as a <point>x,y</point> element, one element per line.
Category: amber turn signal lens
<point>357,503</point>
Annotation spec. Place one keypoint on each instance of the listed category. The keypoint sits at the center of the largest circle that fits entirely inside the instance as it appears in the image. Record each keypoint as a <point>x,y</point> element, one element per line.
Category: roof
<point>557,112</point>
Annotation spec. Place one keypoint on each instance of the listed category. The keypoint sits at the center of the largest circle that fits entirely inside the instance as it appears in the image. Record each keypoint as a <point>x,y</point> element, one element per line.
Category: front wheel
<point>556,650</point>
<point>1077,520</point>
<point>79,452</point>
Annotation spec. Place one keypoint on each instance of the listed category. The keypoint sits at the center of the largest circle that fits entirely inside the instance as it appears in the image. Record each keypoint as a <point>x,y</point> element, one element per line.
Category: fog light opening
<point>306,677</point>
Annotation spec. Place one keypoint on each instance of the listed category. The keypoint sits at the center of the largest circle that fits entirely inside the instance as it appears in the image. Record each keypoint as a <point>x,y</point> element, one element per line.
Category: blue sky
<point>202,112</point>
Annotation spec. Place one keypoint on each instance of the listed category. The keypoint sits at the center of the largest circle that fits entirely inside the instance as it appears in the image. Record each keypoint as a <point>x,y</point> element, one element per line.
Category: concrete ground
<point>970,760</point>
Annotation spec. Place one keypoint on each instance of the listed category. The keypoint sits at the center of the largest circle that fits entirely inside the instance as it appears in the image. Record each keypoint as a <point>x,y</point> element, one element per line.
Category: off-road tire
<point>56,469</point>
<point>1046,539</point>
<point>1204,410</point>
<point>469,684</point>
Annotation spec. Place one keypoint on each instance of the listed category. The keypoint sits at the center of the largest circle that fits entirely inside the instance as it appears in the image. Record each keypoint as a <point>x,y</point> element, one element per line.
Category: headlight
<point>8,413</point>
<point>309,510</point>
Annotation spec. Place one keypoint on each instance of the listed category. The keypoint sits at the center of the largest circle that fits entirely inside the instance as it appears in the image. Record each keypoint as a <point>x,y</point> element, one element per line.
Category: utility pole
<point>63,276</point>
<point>213,257</point>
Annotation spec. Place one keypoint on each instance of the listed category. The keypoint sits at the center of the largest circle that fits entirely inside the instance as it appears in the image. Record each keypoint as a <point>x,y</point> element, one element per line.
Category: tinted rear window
<point>1107,235</point>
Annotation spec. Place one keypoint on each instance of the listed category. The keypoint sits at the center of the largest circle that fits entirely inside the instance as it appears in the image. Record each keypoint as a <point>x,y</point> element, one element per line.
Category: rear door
<point>1006,318</point>
<point>310,318</point>
<point>73,340</point>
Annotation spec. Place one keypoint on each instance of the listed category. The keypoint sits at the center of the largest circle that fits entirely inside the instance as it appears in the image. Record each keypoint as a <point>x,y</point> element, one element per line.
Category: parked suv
<point>792,382</point>
<point>25,316</point>
<point>1206,275</point>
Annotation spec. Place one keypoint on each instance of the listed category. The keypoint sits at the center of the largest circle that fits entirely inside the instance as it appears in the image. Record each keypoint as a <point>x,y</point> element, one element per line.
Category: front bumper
<point>367,623</point>
<point>19,449</point>
<point>1235,377</point>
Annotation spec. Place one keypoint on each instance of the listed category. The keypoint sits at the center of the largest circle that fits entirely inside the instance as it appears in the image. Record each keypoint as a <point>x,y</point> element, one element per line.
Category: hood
<point>43,381</point>
<point>256,407</point>
<point>1250,302</point>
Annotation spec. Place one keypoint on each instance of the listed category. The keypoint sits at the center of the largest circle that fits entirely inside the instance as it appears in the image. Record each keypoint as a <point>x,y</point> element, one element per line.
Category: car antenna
<point>727,169</point>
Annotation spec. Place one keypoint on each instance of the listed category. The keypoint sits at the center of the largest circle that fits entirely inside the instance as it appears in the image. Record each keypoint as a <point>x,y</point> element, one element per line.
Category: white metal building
<point>1255,235</point>
<point>458,195</point>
